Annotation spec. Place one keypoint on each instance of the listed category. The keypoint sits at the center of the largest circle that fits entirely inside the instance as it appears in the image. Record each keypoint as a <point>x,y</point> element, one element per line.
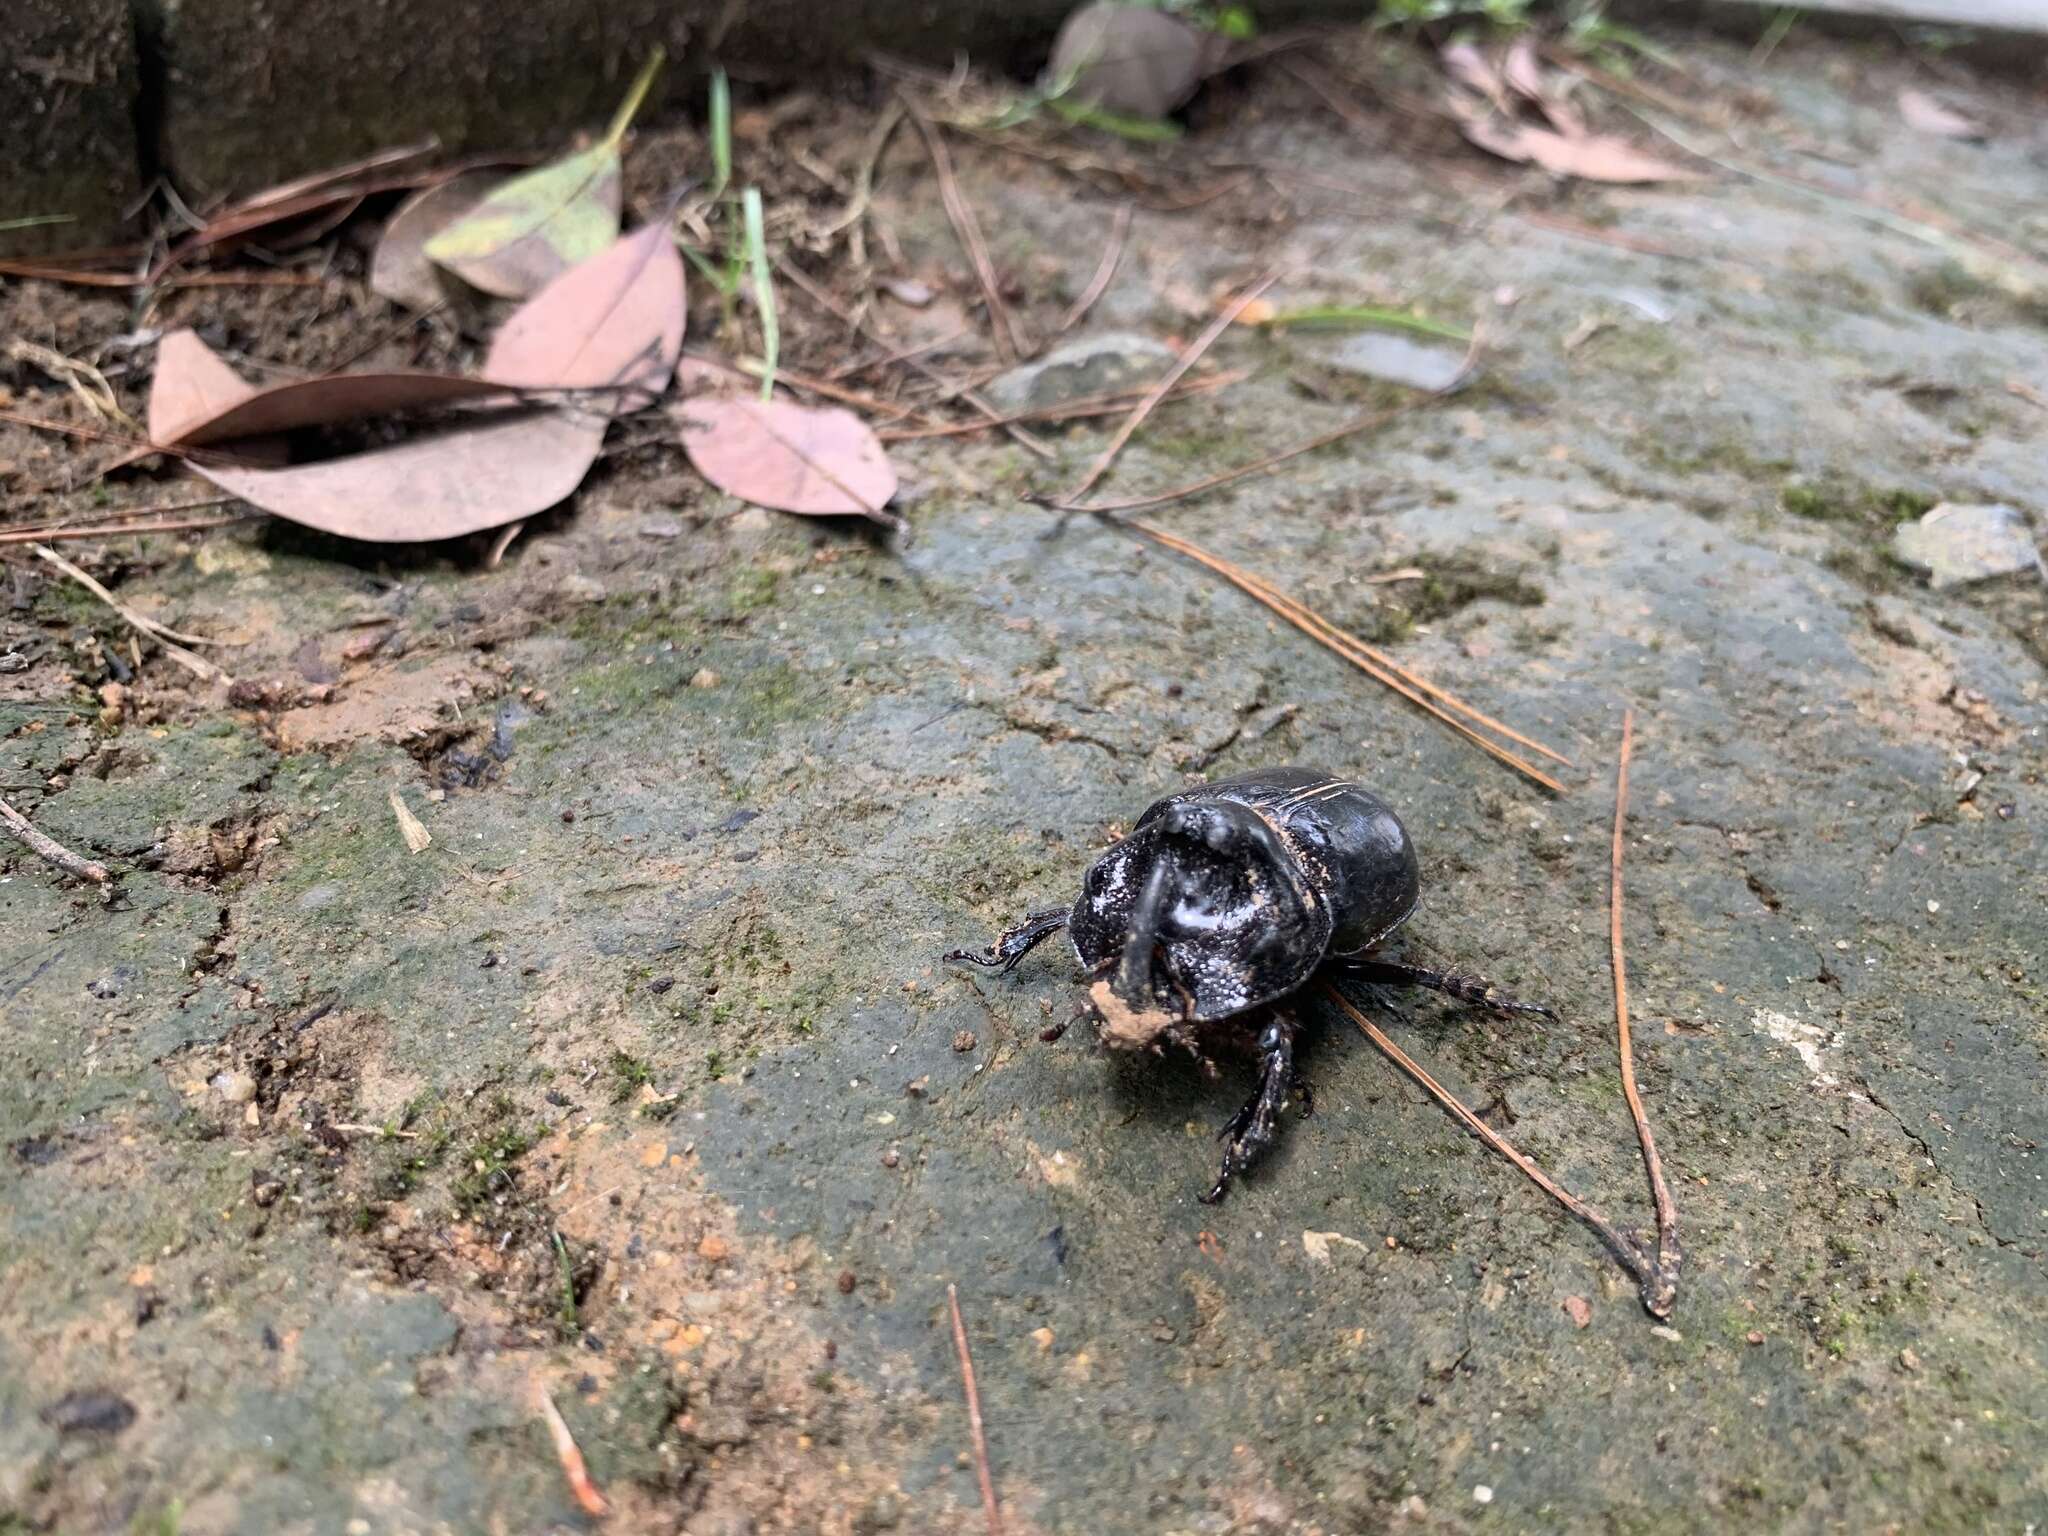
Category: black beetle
<point>1221,904</point>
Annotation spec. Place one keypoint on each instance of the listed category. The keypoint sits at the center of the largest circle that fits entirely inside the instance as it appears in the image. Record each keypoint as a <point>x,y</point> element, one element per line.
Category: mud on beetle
<point>1221,904</point>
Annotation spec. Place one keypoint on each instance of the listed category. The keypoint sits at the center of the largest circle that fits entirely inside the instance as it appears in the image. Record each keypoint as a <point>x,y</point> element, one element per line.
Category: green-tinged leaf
<point>537,226</point>
<point>1335,317</point>
<point>1143,130</point>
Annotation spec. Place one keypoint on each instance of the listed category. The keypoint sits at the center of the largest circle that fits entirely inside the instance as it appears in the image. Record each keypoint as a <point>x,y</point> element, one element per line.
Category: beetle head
<point>1202,912</point>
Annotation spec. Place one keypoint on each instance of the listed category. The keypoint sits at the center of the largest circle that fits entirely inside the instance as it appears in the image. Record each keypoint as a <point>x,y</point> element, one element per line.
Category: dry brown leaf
<point>1471,68</point>
<point>820,462</point>
<point>1595,157</point>
<point>191,385</point>
<point>399,269</point>
<point>618,319</point>
<point>1923,114</point>
<point>329,401</point>
<point>1522,71</point>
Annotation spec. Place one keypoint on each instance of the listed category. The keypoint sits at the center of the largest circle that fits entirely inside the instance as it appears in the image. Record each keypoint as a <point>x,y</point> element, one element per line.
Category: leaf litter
<point>606,333</point>
<point>400,269</point>
<point>530,230</point>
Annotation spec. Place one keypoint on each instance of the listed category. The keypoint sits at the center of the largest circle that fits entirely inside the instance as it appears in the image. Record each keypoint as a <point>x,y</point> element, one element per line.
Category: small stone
<point>264,1187</point>
<point>964,1041</point>
<point>1579,1310</point>
<point>96,1413</point>
<point>1042,1337</point>
<point>1753,1337</point>
<point>1670,1335</point>
<point>1908,1361</point>
<point>661,984</point>
<point>234,1086</point>
<point>847,1281</point>
<point>917,1087</point>
<point>714,1249</point>
<point>1482,1494</point>
<point>704,677</point>
<point>891,1158</point>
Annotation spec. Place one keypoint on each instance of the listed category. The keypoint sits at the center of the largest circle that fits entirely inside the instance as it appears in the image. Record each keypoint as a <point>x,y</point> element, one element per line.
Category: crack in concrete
<point>1926,1151</point>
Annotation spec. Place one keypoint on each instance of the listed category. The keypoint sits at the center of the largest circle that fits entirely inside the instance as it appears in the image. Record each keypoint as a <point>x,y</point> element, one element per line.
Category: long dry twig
<point>968,228</point>
<point>1656,1275</point>
<point>1098,285</point>
<point>164,636</point>
<point>1663,1276</point>
<point>988,1486</point>
<point>975,398</point>
<point>1351,428</point>
<point>1081,407</point>
<point>1374,663</point>
<point>588,1498</point>
<point>1172,376</point>
<point>48,849</point>
<point>62,532</point>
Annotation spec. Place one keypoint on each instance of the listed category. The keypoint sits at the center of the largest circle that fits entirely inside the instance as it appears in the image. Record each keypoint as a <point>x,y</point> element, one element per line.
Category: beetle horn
<point>1129,1016</point>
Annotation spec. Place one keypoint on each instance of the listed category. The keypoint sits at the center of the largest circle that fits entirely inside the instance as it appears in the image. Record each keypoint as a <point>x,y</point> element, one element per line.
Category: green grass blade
<point>630,107</point>
<point>1364,316</point>
<point>764,289</point>
<point>721,132</point>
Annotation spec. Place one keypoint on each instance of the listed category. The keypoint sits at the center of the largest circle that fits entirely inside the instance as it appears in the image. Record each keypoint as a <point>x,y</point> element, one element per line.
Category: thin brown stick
<point>1080,408</point>
<point>1624,1248</point>
<point>164,636</point>
<point>1188,359</point>
<point>50,851</point>
<point>1351,428</point>
<point>118,530</point>
<point>1105,272</point>
<point>980,402</point>
<point>1670,1256</point>
<point>988,1487</point>
<point>968,228</point>
<point>501,543</point>
<point>861,365</point>
<point>1375,664</point>
<point>588,1498</point>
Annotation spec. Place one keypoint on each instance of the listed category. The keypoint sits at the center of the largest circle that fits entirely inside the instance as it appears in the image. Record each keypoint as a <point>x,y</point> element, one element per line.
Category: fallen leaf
<point>1595,157</point>
<point>1130,60</point>
<point>820,462</point>
<point>535,227</point>
<point>1522,72</point>
<point>617,319</point>
<point>191,385</point>
<point>296,211</point>
<point>1471,68</point>
<point>416,836</point>
<point>399,268</point>
<point>1923,114</point>
<point>1317,1245</point>
<point>327,400</point>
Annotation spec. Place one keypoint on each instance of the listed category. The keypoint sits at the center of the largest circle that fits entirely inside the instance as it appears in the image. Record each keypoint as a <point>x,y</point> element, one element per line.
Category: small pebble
<point>1754,1337</point>
<point>890,1158</point>
<point>847,1281</point>
<point>1579,1310</point>
<point>1908,1361</point>
<point>704,677</point>
<point>1482,1494</point>
<point>964,1041</point>
<point>661,984</point>
<point>714,1248</point>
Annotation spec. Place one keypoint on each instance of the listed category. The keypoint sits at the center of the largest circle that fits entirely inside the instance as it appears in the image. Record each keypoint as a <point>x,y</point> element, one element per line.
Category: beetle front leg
<point>1466,989</point>
<point>1255,1127</point>
<point>1015,943</point>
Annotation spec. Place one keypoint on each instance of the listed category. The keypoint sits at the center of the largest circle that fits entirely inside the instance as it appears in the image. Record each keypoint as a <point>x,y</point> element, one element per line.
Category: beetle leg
<point>1015,943</point>
<point>1254,1128</point>
<point>1466,989</point>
